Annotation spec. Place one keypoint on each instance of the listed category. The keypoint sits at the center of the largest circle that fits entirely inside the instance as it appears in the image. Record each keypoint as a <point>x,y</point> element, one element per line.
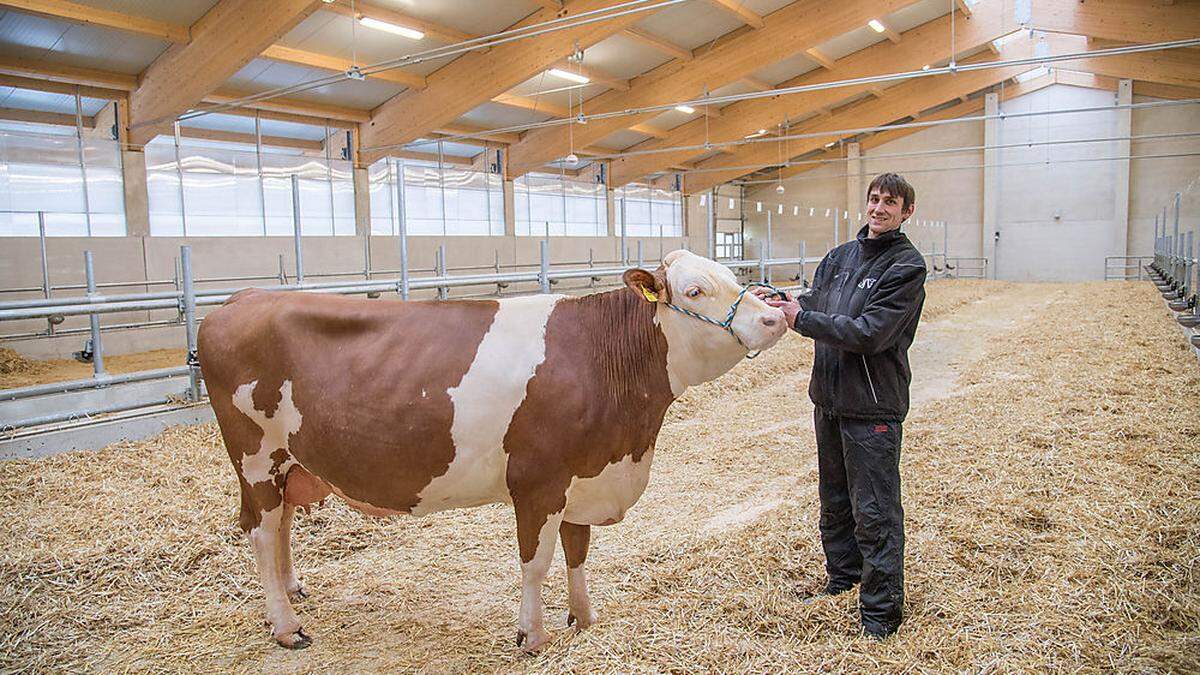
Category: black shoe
<point>837,589</point>
<point>878,631</point>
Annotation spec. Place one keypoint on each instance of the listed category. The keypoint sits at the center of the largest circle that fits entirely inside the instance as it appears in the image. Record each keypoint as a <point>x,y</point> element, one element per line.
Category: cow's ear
<point>644,283</point>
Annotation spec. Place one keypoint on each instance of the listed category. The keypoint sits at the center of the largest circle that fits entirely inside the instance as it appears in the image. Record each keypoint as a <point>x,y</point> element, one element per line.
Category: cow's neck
<point>696,352</point>
<point>623,337</point>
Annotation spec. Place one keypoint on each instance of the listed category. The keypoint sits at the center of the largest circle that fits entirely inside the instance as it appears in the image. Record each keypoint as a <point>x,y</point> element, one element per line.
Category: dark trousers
<point>862,521</point>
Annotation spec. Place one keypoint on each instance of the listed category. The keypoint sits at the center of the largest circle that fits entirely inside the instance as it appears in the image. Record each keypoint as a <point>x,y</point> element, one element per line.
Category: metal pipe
<point>179,175</point>
<point>87,205</point>
<point>94,320</point>
<point>711,227</point>
<point>189,314</point>
<point>402,229</point>
<point>71,415</point>
<point>90,383</point>
<point>640,259</point>
<point>544,271</point>
<point>262,188</point>
<point>440,266</point>
<point>766,274</point>
<point>624,230</point>
<point>45,265</point>
<point>296,228</point>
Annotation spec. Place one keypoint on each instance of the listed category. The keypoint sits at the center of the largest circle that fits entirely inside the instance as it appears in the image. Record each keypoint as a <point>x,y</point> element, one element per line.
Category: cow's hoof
<point>297,640</point>
<point>581,621</point>
<point>532,643</point>
<point>298,594</point>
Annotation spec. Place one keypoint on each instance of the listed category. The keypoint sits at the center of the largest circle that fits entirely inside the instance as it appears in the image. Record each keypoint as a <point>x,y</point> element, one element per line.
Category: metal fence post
<point>544,269</point>
<point>803,250</point>
<point>189,315</point>
<point>402,231</point>
<point>762,262</point>
<point>640,259</point>
<point>767,270</point>
<point>496,267</point>
<point>591,265</point>
<point>624,246</point>
<point>45,265</point>
<point>94,319</point>
<point>440,265</point>
<point>711,233</point>
<point>296,228</point>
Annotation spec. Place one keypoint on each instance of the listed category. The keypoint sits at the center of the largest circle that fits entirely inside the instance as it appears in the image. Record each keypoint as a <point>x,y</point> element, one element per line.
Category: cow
<point>550,403</point>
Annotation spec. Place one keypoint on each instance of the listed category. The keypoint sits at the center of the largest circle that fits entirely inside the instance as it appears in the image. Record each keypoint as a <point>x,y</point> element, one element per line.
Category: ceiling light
<point>572,158</point>
<point>780,189</point>
<point>925,67</point>
<point>685,109</point>
<point>760,132</point>
<point>390,27</point>
<point>876,26</point>
<point>568,75</point>
<point>830,144</point>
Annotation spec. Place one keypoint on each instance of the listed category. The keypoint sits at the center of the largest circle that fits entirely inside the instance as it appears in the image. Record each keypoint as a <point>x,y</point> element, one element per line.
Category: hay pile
<point>12,363</point>
<point>1059,530</point>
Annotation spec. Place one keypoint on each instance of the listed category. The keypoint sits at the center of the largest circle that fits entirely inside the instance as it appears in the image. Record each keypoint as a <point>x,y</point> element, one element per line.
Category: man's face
<point>885,213</point>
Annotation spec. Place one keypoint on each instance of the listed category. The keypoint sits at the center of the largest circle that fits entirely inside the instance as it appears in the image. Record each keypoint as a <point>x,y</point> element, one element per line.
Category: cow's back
<point>368,380</point>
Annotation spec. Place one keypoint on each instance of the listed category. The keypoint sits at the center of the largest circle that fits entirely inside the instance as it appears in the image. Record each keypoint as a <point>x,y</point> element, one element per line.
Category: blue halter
<point>727,324</point>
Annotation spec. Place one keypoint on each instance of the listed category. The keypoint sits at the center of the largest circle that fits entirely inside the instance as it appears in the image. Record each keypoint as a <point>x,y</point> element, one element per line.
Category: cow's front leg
<point>575,539</point>
<point>537,531</point>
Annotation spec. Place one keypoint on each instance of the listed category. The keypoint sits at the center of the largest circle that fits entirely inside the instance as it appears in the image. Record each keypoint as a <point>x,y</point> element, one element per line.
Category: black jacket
<point>863,313</point>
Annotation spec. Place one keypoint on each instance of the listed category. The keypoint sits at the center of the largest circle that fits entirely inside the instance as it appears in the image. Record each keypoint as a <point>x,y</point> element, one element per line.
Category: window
<point>447,200</point>
<point>558,206</point>
<point>213,189</point>
<point>41,172</point>
<point>650,211</point>
<point>729,245</point>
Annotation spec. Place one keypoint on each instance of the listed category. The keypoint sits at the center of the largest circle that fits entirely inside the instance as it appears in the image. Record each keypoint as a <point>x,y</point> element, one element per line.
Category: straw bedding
<point>18,371</point>
<point>1052,510</point>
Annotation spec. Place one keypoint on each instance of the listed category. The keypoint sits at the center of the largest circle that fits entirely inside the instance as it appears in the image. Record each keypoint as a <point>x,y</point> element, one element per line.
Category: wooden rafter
<point>504,138</point>
<point>39,117</point>
<point>475,77</point>
<point>67,74</point>
<point>738,9</point>
<point>757,84</point>
<point>661,44</point>
<point>324,62</point>
<point>287,105</point>
<point>888,32</point>
<point>821,58</point>
<point>787,31</point>
<point>963,7</point>
<point>926,43</point>
<point>87,14</point>
<point>238,137</point>
<point>1128,20</point>
<point>42,84</point>
<point>226,38</point>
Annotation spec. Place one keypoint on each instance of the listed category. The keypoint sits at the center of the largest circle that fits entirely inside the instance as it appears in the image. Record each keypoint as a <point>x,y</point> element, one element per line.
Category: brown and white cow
<point>547,402</point>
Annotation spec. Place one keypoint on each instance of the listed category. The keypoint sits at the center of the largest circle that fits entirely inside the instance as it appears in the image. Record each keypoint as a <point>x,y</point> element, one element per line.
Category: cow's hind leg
<point>291,582</point>
<point>270,542</point>
<point>536,535</point>
<point>575,540</point>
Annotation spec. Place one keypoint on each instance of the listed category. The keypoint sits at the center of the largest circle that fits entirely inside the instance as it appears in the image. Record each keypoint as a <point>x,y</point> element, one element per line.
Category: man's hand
<point>791,308</point>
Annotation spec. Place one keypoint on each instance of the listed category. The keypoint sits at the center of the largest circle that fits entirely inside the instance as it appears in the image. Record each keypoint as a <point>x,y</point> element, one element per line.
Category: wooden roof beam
<point>53,87</point>
<point>228,36</point>
<point>504,138</point>
<point>39,117</point>
<point>737,55</point>
<point>474,78</point>
<point>238,137</point>
<point>963,7</point>
<point>886,30</point>
<point>757,84</point>
<point>1126,20</point>
<point>821,58</point>
<point>67,74</point>
<point>661,44</point>
<point>340,65</point>
<point>923,44</point>
<point>738,9</point>
<point>287,105</point>
<point>87,14</point>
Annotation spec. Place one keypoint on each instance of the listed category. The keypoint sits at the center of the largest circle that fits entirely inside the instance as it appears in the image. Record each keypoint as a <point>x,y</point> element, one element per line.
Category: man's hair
<point>895,185</point>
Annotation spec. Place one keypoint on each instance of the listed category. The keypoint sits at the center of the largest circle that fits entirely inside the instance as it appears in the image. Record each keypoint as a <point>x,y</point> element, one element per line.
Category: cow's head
<point>698,351</point>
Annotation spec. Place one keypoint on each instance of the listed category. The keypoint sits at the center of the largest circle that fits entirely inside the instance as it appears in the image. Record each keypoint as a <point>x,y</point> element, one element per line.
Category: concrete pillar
<point>1124,127</point>
<point>362,201</point>
<point>510,213</point>
<point>991,182</point>
<point>855,200</point>
<point>137,198</point>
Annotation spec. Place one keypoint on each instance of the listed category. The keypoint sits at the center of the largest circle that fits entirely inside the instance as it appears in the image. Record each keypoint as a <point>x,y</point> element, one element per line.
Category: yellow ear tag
<point>649,294</point>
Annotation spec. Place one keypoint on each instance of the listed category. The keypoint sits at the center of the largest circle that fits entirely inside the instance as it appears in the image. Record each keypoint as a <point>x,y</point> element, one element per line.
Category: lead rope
<point>727,324</point>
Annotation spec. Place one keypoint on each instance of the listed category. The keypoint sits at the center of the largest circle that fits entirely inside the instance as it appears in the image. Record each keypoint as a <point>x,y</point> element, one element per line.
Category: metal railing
<point>966,267</point>
<point>1126,267</point>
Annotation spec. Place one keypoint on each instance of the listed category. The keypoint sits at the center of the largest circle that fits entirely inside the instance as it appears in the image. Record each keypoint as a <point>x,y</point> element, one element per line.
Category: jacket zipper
<point>869,382</point>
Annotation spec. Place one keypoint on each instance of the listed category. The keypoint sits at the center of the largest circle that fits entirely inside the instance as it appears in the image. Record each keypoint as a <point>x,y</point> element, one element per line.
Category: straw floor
<point>18,371</point>
<point>1053,520</point>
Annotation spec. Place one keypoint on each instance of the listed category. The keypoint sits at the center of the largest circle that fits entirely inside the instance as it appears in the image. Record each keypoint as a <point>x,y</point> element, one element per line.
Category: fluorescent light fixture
<point>686,109</point>
<point>731,202</point>
<point>830,144</point>
<point>1033,74</point>
<point>390,27</point>
<point>759,206</point>
<point>568,75</point>
<point>876,26</point>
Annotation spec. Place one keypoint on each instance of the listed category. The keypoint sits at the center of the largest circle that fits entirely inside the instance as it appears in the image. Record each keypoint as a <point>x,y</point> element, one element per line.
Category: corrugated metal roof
<point>182,12</point>
<point>25,99</point>
<point>35,37</point>
<point>262,74</point>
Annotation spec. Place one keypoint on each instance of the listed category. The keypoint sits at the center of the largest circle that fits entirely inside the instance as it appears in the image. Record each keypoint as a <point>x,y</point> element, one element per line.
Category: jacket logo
<point>866,283</point>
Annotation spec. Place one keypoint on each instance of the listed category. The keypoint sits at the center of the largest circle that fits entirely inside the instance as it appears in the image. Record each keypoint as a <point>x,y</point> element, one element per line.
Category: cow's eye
<point>693,292</point>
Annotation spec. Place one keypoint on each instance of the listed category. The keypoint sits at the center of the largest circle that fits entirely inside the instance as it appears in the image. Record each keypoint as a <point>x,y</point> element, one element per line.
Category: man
<point>862,313</point>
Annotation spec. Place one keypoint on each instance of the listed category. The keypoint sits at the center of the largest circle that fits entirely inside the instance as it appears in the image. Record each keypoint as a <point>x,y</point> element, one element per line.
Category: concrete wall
<point>1154,182</point>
